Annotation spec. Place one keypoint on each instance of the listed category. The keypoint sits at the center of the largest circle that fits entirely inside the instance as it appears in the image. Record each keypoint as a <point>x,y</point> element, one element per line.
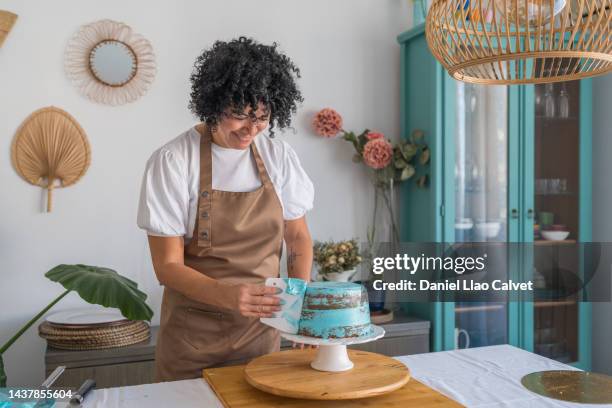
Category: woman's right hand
<point>255,300</point>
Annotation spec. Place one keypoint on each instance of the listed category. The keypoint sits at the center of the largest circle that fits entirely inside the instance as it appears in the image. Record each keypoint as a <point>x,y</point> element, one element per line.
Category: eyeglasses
<point>243,117</point>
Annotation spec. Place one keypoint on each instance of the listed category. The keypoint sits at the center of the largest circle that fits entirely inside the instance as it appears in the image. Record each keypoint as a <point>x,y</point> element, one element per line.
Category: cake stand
<point>332,354</point>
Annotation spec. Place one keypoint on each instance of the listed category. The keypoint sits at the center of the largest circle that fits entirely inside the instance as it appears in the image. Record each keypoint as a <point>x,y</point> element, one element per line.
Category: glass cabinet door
<point>481,197</point>
<point>556,220</point>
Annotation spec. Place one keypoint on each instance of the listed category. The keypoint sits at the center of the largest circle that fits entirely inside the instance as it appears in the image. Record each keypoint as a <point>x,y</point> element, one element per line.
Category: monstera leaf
<point>103,286</point>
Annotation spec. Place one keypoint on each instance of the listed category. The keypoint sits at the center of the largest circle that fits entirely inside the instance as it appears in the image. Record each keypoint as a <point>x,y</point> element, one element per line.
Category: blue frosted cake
<point>334,310</point>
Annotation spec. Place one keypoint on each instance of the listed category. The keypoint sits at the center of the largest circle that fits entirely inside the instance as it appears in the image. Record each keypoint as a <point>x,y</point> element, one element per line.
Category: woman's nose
<point>253,129</point>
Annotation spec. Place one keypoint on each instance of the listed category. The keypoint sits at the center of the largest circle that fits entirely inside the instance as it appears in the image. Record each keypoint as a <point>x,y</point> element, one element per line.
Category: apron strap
<point>261,168</point>
<point>205,201</point>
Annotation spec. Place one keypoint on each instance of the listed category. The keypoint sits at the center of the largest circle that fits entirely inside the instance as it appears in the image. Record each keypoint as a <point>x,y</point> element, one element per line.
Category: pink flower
<point>327,122</point>
<point>377,153</point>
<point>374,135</point>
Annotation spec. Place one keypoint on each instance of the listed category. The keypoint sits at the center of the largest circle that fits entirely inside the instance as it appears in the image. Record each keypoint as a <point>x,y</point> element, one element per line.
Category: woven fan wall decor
<point>50,150</point>
<point>7,19</point>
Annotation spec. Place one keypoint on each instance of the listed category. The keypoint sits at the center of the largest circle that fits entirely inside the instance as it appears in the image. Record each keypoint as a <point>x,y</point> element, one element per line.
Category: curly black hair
<point>242,73</point>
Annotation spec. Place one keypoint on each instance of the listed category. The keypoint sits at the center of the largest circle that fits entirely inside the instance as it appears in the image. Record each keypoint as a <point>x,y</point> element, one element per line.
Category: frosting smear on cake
<point>333,310</point>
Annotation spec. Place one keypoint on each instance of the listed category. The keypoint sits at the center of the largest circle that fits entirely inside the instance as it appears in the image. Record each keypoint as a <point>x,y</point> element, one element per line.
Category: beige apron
<point>237,238</point>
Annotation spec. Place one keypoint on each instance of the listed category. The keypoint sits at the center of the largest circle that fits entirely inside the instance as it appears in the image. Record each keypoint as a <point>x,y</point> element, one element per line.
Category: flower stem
<point>375,211</point>
<point>391,215</point>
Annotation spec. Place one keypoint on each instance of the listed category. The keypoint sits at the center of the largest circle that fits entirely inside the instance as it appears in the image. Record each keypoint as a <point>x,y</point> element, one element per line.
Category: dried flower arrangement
<point>334,257</point>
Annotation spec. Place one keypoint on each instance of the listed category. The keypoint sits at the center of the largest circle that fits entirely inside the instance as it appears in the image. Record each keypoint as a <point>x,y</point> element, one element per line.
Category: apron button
<point>205,214</point>
<point>204,194</point>
<point>204,234</point>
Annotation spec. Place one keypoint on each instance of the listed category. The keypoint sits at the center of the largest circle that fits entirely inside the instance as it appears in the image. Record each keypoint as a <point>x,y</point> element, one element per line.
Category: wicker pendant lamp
<point>521,41</point>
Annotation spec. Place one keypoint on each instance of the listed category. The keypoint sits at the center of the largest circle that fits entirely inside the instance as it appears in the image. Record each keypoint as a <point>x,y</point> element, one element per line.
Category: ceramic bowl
<point>344,276</point>
<point>464,224</point>
<point>554,235</point>
<point>488,229</point>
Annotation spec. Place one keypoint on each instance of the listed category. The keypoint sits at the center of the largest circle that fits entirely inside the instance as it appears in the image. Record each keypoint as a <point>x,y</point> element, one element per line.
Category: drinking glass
<point>555,186</point>
<point>549,101</point>
<point>563,102</point>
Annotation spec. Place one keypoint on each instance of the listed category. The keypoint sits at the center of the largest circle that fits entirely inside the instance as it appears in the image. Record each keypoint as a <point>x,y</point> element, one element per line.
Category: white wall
<point>602,217</point>
<point>349,60</point>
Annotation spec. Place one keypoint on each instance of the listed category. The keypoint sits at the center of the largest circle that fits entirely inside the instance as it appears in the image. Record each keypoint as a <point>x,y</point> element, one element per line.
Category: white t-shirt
<point>171,182</point>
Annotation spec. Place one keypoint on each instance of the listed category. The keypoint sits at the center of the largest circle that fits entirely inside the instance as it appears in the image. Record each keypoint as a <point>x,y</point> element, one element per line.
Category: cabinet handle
<point>530,213</point>
<point>514,213</point>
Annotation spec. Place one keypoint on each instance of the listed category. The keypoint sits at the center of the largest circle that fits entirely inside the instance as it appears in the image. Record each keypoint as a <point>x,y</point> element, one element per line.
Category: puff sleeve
<point>163,208</point>
<point>297,190</point>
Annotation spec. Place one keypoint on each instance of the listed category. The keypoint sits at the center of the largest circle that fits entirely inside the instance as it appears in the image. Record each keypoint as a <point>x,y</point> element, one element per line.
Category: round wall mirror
<point>109,63</point>
<point>113,63</point>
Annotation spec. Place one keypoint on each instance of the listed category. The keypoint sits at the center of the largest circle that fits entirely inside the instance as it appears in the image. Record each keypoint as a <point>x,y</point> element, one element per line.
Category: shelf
<point>568,194</point>
<point>464,309</point>
<point>544,242</point>
<point>556,118</point>
<point>554,303</point>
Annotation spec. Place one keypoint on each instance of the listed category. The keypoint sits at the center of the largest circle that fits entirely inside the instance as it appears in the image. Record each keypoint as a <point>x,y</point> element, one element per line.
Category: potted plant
<point>96,285</point>
<point>337,261</point>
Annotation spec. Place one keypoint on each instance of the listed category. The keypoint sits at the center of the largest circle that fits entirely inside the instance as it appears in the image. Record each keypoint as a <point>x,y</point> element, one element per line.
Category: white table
<point>479,377</point>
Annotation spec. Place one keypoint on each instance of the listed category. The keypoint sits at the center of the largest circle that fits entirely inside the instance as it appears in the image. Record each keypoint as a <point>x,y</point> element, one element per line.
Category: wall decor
<point>521,41</point>
<point>7,19</point>
<point>50,150</point>
<point>109,63</point>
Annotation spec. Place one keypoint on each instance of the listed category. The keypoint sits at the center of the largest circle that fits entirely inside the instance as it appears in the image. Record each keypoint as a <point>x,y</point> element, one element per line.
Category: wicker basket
<point>93,337</point>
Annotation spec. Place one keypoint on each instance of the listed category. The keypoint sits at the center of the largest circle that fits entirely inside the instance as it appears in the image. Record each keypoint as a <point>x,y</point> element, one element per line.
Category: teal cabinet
<point>507,162</point>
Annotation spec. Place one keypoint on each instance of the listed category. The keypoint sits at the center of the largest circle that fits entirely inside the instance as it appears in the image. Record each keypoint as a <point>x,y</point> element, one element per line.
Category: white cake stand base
<point>332,354</point>
<point>332,358</point>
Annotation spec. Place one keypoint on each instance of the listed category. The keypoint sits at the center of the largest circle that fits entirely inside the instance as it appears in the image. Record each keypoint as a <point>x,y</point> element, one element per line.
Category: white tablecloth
<point>486,376</point>
<point>479,377</point>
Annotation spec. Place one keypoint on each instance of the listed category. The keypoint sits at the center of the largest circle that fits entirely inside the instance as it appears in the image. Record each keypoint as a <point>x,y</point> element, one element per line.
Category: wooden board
<point>289,374</point>
<point>230,386</point>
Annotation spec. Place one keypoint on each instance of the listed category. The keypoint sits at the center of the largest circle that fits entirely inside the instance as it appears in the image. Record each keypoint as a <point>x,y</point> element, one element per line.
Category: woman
<point>217,203</point>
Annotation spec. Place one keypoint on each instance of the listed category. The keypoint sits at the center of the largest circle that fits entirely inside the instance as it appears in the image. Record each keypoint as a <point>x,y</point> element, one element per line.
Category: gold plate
<point>573,386</point>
